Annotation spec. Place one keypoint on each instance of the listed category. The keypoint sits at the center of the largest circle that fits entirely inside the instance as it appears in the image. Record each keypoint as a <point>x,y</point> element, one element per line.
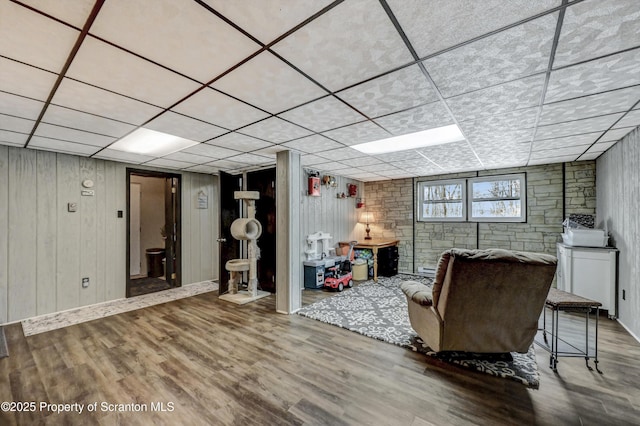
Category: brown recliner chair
<point>483,301</point>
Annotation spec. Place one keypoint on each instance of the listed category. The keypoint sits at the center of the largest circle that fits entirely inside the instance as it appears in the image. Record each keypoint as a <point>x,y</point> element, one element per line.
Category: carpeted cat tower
<point>245,229</point>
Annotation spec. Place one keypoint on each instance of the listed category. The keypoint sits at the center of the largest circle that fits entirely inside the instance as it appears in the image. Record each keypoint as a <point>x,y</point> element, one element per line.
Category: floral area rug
<point>379,310</point>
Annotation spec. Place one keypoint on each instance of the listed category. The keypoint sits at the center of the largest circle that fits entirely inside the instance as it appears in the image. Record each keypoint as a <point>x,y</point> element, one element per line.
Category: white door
<point>134,237</point>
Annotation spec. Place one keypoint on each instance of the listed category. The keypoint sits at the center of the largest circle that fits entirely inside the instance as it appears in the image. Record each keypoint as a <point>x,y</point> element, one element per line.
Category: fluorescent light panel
<point>436,136</point>
<point>150,142</point>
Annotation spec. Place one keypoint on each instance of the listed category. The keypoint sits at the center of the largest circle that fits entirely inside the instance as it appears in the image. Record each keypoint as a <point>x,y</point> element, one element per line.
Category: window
<point>498,199</point>
<point>442,200</point>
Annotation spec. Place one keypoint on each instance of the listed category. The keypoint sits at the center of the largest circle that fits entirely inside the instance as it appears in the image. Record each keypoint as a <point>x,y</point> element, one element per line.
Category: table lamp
<point>367,217</point>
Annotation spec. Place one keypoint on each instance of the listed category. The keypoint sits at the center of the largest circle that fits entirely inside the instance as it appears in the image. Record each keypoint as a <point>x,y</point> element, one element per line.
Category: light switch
<point>72,207</point>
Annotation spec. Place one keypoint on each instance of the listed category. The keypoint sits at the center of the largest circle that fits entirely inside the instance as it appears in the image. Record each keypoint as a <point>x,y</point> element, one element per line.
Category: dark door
<point>264,181</point>
<point>229,247</point>
<point>172,224</point>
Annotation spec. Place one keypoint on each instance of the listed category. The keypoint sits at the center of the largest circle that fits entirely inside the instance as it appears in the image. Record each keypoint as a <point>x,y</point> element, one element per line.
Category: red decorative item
<point>353,189</point>
<point>314,186</point>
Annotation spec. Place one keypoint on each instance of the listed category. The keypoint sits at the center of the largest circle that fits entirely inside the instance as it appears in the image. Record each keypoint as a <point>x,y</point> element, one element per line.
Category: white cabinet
<point>589,272</point>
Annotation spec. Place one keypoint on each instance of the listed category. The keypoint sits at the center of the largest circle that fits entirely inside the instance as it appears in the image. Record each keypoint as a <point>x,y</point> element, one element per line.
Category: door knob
<point>221,240</point>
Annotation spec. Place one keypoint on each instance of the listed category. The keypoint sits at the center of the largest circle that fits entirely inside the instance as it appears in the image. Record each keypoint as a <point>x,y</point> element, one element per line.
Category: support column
<point>288,263</point>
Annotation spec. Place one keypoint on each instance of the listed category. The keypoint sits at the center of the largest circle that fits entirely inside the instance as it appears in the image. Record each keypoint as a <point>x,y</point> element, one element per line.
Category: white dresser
<point>589,272</point>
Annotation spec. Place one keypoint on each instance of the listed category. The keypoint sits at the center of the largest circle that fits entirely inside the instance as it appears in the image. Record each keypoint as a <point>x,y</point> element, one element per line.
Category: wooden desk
<point>374,245</point>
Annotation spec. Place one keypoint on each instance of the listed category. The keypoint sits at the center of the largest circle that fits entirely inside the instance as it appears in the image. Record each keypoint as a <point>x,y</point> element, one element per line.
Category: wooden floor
<point>210,362</point>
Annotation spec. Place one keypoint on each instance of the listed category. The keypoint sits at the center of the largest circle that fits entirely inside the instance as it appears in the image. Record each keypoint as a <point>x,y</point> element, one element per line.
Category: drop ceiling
<point>528,82</point>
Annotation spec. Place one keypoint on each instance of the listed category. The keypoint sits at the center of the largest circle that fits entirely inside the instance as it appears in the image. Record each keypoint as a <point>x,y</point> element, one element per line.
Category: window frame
<point>523,198</point>
<point>421,201</point>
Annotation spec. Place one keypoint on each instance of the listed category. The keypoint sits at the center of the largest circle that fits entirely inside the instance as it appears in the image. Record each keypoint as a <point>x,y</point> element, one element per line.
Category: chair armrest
<point>417,292</point>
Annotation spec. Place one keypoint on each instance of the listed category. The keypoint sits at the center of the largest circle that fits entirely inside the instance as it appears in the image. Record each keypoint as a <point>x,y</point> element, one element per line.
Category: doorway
<point>153,232</point>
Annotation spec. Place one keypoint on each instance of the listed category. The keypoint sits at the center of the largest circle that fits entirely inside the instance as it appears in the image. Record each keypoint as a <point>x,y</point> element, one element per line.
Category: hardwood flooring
<point>209,362</point>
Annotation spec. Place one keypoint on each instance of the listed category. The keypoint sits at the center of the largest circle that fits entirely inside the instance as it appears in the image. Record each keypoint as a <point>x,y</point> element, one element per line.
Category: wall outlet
<point>85,282</point>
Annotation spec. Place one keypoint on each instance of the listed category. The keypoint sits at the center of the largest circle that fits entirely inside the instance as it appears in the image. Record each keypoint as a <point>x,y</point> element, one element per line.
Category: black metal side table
<point>558,300</point>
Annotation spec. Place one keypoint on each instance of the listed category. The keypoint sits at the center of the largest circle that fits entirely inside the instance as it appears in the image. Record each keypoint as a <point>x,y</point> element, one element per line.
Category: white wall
<point>618,198</point>
<point>46,250</point>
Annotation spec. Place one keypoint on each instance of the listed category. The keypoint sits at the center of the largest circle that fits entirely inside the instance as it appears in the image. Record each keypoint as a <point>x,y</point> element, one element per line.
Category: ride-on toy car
<point>340,275</point>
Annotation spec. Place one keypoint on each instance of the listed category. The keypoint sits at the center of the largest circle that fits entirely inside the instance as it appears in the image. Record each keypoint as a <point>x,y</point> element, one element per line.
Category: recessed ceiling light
<point>150,142</point>
<point>437,136</point>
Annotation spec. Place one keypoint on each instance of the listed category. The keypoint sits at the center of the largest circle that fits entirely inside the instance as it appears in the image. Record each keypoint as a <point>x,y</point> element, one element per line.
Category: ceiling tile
<point>16,124</point>
<point>395,174</point>
<point>523,93</point>
<point>601,146</point>
<point>156,30</point>
<point>417,119</point>
<point>595,28</point>
<point>358,133</point>
<point>632,119</point>
<point>110,68</point>
<point>252,159</point>
<point>332,166</point>
<point>591,155</point>
<point>270,151</point>
<point>453,22</point>
<point>364,161</point>
<point>271,19</point>
<point>515,126</point>
<point>23,80</point>
<point>92,100</point>
<point>268,83</point>
<point>72,135</point>
<point>589,106</point>
<point>201,168</point>
<point>378,167</point>
<point>342,154</point>
<point>551,160</point>
<point>73,12</point>
<point>38,142</point>
<point>352,42</point>
<point>188,157</point>
<point>13,138</point>
<point>584,139</point>
<point>502,153</point>
<point>226,164</point>
<point>125,157</point>
<point>311,159</point>
<point>508,55</point>
<point>615,134</point>
<point>214,107</point>
<point>392,92</point>
<point>66,117</point>
<point>612,72</point>
<point>455,156</point>
<point>313,143</point>
<point>34,39</point>
<point>575,151</point>
<point>19,106</point>
<point>576,127</point>
<point>274,130</point>
<point>399,156</point>
<point>184,127</point>
<point>323,114</point>
<point>170,164</point>
<point>239,142</point>
<point>212,151</point>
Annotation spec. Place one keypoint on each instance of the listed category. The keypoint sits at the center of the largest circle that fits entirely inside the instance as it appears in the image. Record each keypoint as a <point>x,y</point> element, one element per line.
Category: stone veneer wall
<point>393,204</point>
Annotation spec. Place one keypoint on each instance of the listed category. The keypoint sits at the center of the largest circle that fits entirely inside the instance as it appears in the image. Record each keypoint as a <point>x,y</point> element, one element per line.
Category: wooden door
<point>172,231</point>
<point>264,181</point>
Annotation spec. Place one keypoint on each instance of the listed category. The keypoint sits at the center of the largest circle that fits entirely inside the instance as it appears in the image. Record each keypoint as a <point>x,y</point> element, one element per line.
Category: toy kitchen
<point>319,256</point>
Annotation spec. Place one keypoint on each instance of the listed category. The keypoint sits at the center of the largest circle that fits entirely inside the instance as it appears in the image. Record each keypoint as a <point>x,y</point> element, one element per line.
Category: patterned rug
<point>379,310</point>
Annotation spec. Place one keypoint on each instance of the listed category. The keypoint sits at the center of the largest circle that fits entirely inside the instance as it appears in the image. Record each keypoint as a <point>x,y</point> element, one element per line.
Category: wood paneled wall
<point>328,213</point>
<point>618,205</point>
<point>45,250</point>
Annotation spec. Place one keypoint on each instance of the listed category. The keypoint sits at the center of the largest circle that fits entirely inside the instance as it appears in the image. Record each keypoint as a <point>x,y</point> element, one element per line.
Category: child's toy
<point>340,275</point>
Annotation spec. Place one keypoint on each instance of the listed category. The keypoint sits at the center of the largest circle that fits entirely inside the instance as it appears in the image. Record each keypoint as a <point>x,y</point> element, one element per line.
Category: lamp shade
<point>366,217</point>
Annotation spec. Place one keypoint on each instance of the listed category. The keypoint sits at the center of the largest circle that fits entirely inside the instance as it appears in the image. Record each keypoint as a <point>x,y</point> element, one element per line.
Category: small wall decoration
<point>352,189</point>
<point>203,200</point>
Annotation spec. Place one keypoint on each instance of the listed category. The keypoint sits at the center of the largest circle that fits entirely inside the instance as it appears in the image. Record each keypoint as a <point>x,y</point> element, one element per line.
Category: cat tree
<point>245,229</point>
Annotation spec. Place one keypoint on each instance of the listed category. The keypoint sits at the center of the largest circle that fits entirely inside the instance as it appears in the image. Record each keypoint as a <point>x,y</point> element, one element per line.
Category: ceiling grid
<point>526,82</point>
